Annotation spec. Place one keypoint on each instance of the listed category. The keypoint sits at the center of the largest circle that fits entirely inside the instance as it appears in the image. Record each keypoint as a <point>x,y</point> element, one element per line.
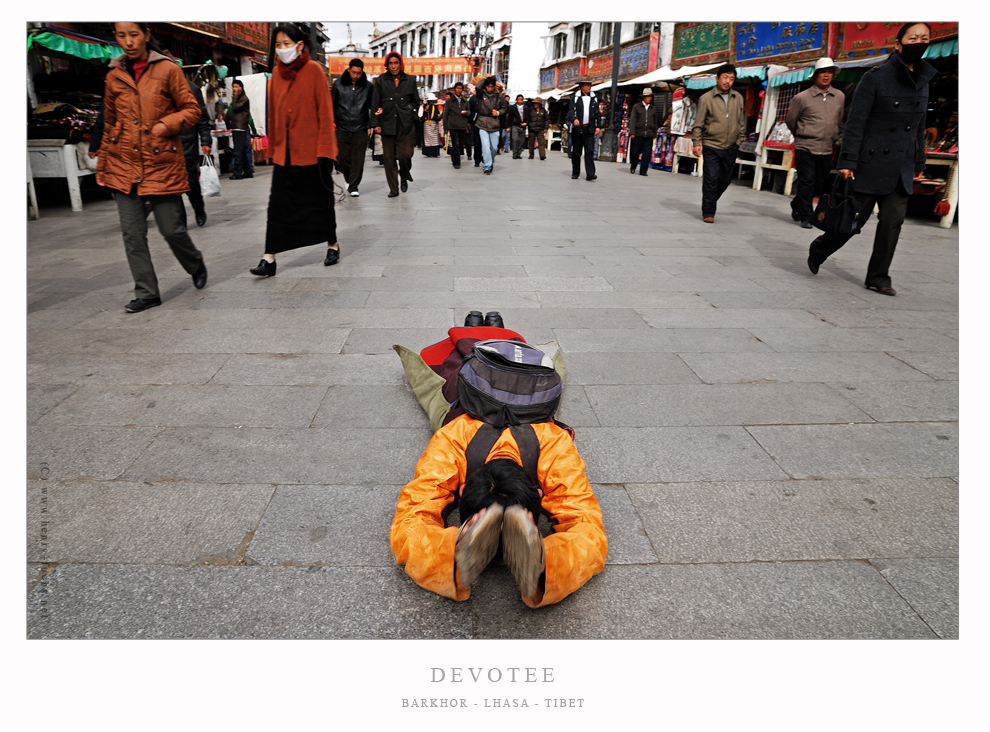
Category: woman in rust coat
<point>147,105</point>
<point>302,145</point>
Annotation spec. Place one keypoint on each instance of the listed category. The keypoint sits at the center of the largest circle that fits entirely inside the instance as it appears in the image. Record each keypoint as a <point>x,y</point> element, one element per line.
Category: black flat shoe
<point>139,304</point>
<point>494,320</point>
<point>592,177</point>
<point>642,173</point>
<point>404,187</point>
<point>199,276</point>
<point>805,224</point>
<point>795,215</point>
<point>393,194</point>
<point>633,171</point>
<point>264,269</point>
<point>813,265</point>
<point>201,219</point>
<point>333,256</point>
<point>473,319</point>
<point>575,177</point>
<point>883,289</point>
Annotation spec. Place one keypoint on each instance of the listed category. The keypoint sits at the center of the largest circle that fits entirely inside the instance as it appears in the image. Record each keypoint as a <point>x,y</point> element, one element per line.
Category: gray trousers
<point>168,212</point>
<point>518,140</point>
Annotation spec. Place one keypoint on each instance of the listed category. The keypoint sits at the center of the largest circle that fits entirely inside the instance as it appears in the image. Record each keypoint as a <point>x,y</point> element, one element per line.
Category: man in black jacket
<point>455,121</point>
<point>883,147</point>
<point>537,121</point>
<point>351,95</point>
<point>643,124</point>
<point>516,122</point>
<point>239,123</point>
<point>395,101</point>
<point>583,116</point>
<point>191,151</point>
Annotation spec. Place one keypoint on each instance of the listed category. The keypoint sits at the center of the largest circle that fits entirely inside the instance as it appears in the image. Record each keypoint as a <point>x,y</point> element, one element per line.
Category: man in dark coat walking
<point>583,116</point>
<point>883,147</point>
<point>455,121</point>
<point>196,141</point>
<point>643,124</point>
<point>395,101</point>
<point>538,120</point>
<point>351,95</point>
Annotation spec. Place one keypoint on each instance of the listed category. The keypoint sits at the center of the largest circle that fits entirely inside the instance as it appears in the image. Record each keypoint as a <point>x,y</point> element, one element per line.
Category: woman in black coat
<point>883,147</point>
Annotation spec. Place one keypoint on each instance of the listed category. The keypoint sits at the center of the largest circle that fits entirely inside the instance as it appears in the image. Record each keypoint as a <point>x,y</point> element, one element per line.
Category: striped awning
<point>707,81</point>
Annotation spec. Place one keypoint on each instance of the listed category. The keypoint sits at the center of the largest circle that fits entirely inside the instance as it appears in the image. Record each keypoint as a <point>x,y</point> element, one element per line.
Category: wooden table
<point>55,159</point>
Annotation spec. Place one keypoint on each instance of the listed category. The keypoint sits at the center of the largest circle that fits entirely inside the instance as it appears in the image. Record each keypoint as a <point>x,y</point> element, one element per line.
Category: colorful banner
<point>548,79</point>
<point>569,73</point>
<point>701,43</point>
<point>860,40</point>
<point>599,65</point>
<point>779,41</point>
<point>634,58</point>
<point>253,36</point>
<point>337,65</point>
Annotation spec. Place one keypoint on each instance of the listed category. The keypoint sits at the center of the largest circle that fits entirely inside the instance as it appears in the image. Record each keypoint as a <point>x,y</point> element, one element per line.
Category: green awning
<point>72,47</point>
<point>707,81</point>
<point>940,50</point>
<point>795,76</point>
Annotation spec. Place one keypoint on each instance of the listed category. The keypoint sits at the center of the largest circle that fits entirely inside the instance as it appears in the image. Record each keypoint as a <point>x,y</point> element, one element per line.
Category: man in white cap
<point>815,119</point>
<point>643,124</point>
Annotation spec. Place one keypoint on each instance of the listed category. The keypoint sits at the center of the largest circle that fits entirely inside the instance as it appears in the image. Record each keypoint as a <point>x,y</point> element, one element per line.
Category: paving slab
<point>249,340</point>
<point>126,369</point>
<point>799,520</point>
<point>339,526</point>
<point>253,455</point>
<point>128,601</point>
<point>575,300</point>
<point>922,450</point>
<point>42,398</point>
<point>721,404</point>
<point>748,368</point>
<point>92,452</point>
<point>942,366</point>
<point>668,340</point>
<point>921,401</point>
<point>121,522</point>
<point>831,340</point>
<point>930,586</point>
<point>729,318</point>
<point>628,368</point>
<point>673,454</point>
<point>302,369</point>
<point>358,407</point>
<point>886,318</point>
<point>628,541</point>
<point>790,600</point>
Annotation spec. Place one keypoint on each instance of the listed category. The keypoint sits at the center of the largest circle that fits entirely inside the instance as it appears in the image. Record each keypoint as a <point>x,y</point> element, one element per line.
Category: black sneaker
<point>139,304</point>
<point>474,319</point>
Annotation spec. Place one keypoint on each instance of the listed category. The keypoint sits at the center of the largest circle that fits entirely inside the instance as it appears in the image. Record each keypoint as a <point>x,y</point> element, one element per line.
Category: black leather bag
<point>838,211</point>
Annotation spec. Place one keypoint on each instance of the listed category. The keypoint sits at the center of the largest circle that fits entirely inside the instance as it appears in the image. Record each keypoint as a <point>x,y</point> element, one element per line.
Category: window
<point>642,29</point>
<point>582,38</point>
<point>560,45</point>
<point>605,35</point>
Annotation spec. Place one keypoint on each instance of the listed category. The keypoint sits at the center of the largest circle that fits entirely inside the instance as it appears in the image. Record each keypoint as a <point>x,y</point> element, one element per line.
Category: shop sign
<point>548,79</point>
<point>569,73</point>
<point>778,40</point>
<point>337,65</point>
<point>599,65</point>
<point>634,59</point>
<point>701,43</point>
<point>211,29</point>
<point>866,39</point>
<point>253,36</point>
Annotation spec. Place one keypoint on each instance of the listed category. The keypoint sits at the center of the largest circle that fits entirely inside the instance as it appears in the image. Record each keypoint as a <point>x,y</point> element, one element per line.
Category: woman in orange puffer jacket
<point>147,105</point>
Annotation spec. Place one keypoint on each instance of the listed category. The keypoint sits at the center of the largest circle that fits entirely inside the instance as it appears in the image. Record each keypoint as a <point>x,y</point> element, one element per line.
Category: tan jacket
<point>719,126</point>
<point>815,119</point>
<point>129,153</point>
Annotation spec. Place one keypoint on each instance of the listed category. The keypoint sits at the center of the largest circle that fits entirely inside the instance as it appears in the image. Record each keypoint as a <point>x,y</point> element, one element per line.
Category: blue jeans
<point>489,144</point>
<point>241,164</point>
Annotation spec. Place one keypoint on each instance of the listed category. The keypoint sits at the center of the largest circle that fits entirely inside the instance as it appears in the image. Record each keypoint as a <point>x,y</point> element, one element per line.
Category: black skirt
<point>300,208</point>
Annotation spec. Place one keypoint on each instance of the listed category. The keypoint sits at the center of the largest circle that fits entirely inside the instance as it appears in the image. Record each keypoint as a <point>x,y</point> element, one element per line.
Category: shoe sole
<point>478,544</point>
<point>522,549</point>
<point>141,310</point>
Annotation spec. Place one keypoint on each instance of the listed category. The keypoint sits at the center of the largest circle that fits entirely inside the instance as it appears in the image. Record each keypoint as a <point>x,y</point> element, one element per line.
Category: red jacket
<point>300,114</point>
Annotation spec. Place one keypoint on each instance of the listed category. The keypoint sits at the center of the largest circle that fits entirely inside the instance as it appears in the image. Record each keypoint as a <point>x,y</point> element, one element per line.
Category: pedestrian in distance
<point>351,95</point>
<point>455,121</point>
<point>719,129</point>
<point>516,119</point>
<point>197,142</point>
<point>537,121</point>
<point>395,101</point>
<point>644,120</point>
<point>239,124</point>
<point>146,106</point>
<point>814,117</point>
<point>302,146</point>
<point>883,148</point>
<point>584,117</point>
<point>488,106</point>
<point>432,127</point>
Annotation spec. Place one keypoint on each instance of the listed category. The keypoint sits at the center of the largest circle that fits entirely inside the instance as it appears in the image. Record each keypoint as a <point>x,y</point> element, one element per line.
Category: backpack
<point>507,384</point>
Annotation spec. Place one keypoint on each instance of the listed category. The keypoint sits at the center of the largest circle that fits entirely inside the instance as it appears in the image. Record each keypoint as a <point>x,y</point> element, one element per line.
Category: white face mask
<point>288,55</point>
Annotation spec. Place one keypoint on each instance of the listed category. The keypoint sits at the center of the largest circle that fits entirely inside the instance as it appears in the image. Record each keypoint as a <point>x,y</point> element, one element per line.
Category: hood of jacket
<point>153,56</point>
<point>402,66</point>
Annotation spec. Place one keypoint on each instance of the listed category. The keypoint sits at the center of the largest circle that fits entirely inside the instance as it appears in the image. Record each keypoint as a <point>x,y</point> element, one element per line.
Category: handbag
<point>838,211</point>
<point>209,179</point>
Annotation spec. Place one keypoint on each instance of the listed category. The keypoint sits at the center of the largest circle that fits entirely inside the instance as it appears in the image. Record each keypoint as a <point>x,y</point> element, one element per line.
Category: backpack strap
<point>486,437</point>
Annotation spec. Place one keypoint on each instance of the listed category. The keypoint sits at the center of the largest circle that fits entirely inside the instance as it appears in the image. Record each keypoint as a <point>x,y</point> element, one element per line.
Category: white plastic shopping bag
<point>209,179</point>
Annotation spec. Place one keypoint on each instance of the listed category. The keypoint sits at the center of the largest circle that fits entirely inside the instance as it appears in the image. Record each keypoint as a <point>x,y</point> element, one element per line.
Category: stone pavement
<point>775,454</point>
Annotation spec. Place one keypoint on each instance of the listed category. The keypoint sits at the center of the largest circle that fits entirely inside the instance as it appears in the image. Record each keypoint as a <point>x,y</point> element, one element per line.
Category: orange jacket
<point>129,153</point>
<point>300,116</point>
<point>574,553</point>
